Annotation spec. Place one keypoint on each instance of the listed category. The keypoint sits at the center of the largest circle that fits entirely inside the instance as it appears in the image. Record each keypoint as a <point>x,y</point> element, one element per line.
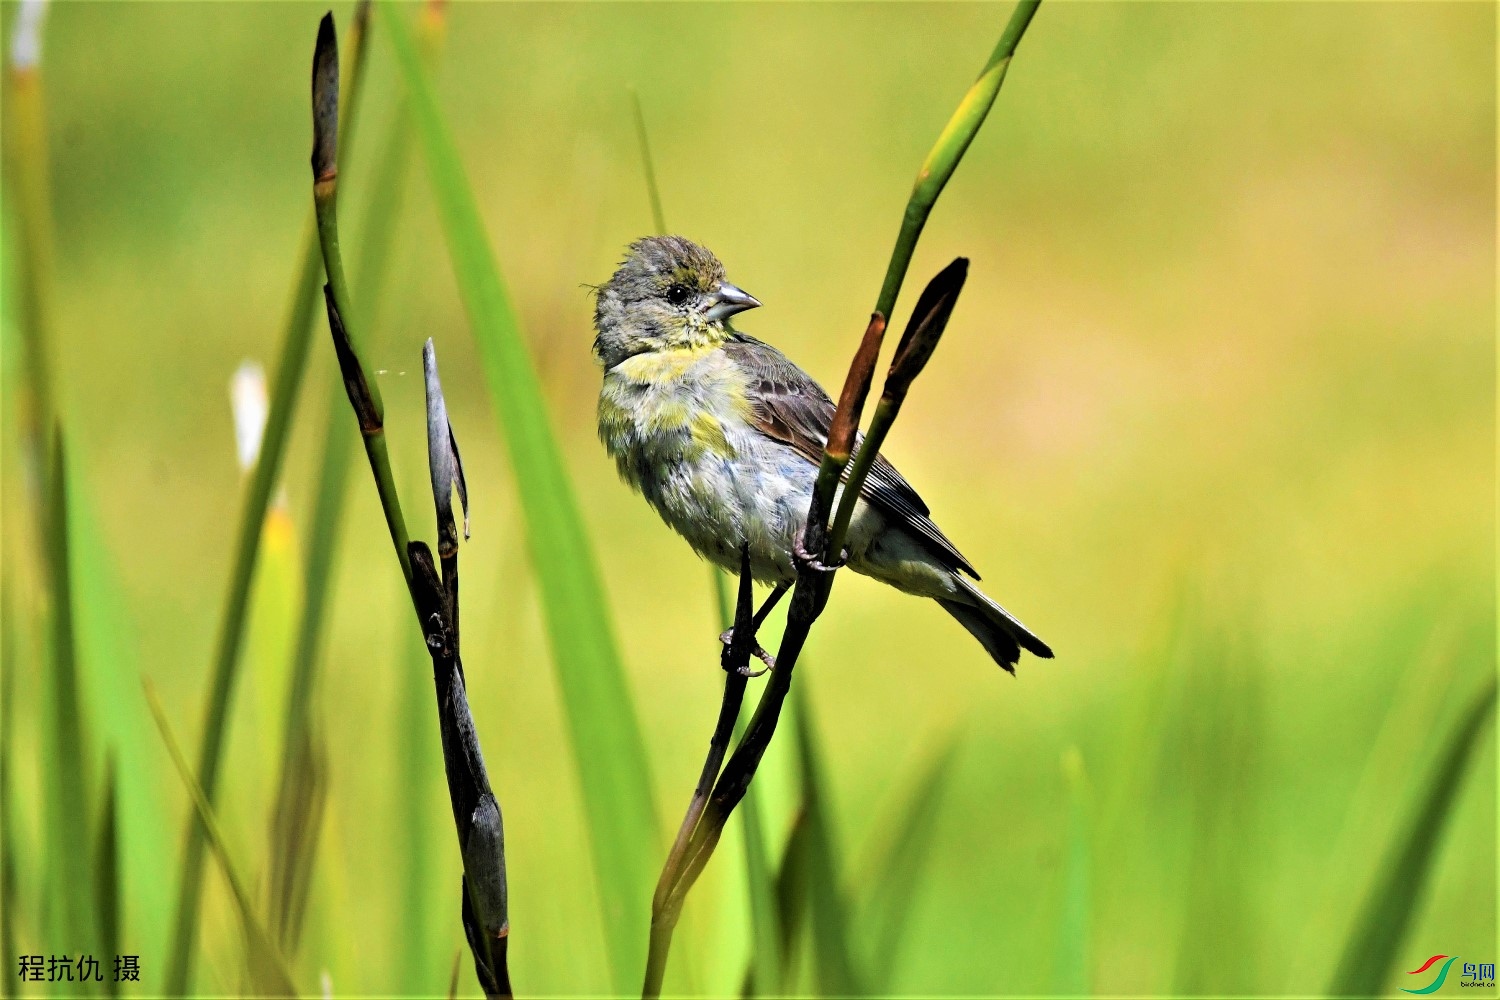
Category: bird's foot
<point>727,639</point>
<point>806,559</point>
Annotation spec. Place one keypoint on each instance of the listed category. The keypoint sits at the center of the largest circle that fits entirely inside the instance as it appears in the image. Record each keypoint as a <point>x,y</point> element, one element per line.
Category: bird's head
<point>668,293</point>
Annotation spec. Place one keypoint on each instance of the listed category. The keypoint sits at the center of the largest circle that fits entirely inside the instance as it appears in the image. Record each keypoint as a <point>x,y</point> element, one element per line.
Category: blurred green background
<point>1214,417</point>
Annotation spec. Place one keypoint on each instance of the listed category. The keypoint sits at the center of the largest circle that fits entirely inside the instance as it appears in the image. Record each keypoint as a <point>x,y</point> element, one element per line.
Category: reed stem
<point>822,547</point>
<point>289,374</point>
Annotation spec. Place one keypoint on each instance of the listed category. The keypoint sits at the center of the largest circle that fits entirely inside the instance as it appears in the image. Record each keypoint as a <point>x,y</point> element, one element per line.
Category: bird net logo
<point>1474,974</point>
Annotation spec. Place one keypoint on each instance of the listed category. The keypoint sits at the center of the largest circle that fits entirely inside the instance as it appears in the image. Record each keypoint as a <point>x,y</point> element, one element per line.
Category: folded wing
<point>790,407</point>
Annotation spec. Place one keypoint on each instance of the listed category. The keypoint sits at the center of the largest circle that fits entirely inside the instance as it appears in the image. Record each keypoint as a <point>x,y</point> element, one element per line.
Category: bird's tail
<point>997,630</point>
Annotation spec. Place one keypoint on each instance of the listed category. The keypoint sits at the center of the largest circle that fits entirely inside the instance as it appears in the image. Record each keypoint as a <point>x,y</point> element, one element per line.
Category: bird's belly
<point>718,481</point>
<point>718,503</point>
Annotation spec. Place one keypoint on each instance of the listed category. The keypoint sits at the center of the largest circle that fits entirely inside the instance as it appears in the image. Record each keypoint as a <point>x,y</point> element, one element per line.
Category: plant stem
<point>382,213</point>
<point>26,119</point>
<point>267,965</point>
<point>364,393</point>
<point>289,374</point>
<point>949,149</point>
<point>821,547</point>
<point>476,811</point>
<point>666,906</point>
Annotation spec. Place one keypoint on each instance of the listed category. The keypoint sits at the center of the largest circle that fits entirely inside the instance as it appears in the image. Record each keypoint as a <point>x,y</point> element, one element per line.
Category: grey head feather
<point>657,298</point>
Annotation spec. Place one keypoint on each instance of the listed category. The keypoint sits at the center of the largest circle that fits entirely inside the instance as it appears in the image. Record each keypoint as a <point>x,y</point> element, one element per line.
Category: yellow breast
<point>665,406</point>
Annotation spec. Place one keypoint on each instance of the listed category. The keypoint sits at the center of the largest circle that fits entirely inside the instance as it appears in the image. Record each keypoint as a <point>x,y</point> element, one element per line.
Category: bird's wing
<point>790,407</point>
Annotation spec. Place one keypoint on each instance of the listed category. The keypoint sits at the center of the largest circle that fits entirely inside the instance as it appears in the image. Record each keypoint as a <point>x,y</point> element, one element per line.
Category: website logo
<point>1474,974</point>
<point>1433,986</point>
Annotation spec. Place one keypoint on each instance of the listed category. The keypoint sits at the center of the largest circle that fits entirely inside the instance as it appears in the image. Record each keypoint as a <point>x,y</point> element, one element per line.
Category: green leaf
<point>829,909</point>
<point>116,714</point>
<point>68,802</point>
<point>1375,943</point>
<point>268,969</point>
<point>606,737</point>
<point>892,878</point>
<point>290,369</point>
<point>9,849</point>
<point>107,872</point>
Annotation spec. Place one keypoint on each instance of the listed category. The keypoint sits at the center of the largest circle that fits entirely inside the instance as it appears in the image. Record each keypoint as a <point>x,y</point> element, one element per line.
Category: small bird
<point>722,435</point>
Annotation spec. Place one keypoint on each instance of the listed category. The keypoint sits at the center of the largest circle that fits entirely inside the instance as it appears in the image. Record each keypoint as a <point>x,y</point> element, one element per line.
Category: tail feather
<point>997,630</point>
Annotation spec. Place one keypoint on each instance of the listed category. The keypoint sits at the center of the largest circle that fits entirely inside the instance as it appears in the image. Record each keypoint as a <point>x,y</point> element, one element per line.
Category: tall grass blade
<point>9,862</point>
<point>792,893</point>
<point>1072,970</point>
<point>268,969</point>
<point>296,825</point>
<point>290,370</point>
<point>605,734</point>
<point>828,908</point>
<point>892,877</point>
<point>107,657</point>
<point>107,874</point>
<point>764,976</point>
<point>1375,943</point>
<point>26,130</point>
<point>69,805</point>
<point>648,166</point>
<point>1215,761</point>
<point>102,647</point>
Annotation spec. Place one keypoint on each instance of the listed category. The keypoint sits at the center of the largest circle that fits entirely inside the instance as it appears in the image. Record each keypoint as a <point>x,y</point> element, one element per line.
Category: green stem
<point>289,374</point>
<point>949,149</point>
<point>381,212</point>
<point>358,381</point>
<point>26,120</point>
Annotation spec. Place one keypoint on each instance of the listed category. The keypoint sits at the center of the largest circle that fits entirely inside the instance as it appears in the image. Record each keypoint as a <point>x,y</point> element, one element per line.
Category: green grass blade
<point>68,799</point>
<point>293,365</point>
<point>107,874</point>
<point>892,877</point>
<point>1375,943</point>
<point>268,969</point>
<point>31,192</point>
<point>9,862</point>
<point>828,908</point>
<point>764,977</point>
<point>658,219</point>
<point>107,658</point>
<point>605,734</point>
<point>1072,970</point>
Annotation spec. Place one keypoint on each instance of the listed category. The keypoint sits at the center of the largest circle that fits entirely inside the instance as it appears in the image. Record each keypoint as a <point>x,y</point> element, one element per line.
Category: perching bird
<point>723,434</point>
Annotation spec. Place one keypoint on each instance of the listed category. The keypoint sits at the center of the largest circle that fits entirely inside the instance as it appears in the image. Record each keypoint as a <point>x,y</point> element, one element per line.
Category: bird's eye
<point>677,294</point>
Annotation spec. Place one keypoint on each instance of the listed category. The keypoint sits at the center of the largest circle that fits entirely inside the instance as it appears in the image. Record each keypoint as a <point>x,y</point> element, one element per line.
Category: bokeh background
<point>1214,416</point>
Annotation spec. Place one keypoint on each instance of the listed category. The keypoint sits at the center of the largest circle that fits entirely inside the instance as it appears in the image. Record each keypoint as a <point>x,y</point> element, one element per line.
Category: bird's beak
<point>728,300</point>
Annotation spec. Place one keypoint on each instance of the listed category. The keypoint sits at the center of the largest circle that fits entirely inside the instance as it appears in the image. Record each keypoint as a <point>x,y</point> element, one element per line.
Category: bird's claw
<point>727,638</point>
<point>806,559</point>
